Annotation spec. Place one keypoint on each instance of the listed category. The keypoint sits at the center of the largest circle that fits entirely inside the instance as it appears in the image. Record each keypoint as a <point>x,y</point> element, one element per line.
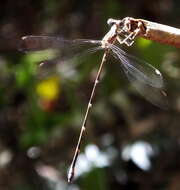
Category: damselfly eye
<point>111,21</point>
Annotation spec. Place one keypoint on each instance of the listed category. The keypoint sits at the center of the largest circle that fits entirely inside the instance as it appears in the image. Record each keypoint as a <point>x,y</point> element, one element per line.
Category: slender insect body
<point>84,128</point>
<point>97,81</point>
<point>90,105</point>
<point>145,78</point>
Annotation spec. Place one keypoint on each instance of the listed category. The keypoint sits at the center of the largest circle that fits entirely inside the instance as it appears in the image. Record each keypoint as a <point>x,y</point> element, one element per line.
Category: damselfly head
<point>112,21</point>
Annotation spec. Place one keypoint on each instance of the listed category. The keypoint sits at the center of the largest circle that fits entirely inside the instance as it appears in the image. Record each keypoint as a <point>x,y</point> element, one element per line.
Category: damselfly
<point>145,78</point>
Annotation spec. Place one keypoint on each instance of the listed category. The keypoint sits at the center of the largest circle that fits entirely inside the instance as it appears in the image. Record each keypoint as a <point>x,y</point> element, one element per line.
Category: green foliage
<point>97,179</point>
<point>153,52</point>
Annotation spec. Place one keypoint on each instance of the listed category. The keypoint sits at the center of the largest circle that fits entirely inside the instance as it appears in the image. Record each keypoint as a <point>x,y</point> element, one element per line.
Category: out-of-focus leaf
<point>39,56</point>
<point>143,43</point>
<point>96,178</point>
<point>152,52</point>
<point>28,65</point>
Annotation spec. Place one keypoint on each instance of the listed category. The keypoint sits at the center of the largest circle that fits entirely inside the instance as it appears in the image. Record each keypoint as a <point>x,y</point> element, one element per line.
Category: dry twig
<point>150,30</point>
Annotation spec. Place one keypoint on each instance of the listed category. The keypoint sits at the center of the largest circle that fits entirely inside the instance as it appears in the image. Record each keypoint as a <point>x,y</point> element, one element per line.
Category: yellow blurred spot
<point>143,43</point>
<point>49,89</point>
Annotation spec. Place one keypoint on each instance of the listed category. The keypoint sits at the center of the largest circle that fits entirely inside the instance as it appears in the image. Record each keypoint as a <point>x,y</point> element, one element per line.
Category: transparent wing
<point>66,51</point>
<point>65,47</point>
<point>147,80</point>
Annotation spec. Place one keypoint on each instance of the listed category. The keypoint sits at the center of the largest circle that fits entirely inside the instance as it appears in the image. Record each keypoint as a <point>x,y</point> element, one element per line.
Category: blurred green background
<point>129,143</point>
